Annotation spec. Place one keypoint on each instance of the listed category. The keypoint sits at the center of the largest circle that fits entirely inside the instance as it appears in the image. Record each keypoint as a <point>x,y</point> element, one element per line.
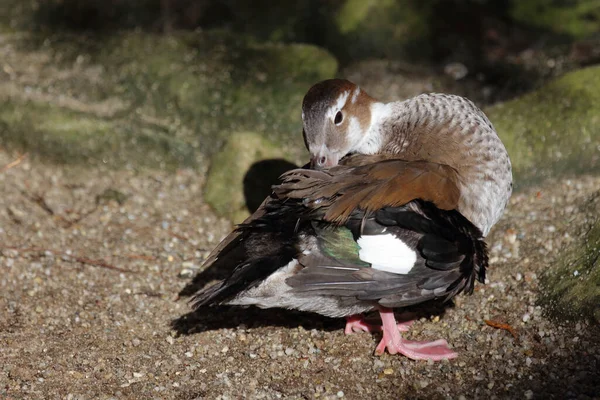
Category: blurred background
<point>133,132</point>
<point>166,83</point>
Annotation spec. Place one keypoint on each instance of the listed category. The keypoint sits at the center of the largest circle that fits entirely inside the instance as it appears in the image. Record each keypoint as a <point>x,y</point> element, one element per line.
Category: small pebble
<point>378,364</point>
<point>186,273</point>
<point>519,277</point>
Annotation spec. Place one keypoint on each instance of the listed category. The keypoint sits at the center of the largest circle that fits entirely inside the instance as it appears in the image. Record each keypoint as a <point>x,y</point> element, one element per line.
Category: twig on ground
<point>14,163</point>
<point>39,200</point>
<point>149,293</point>
<point>67,223</point>
<point>140,257</point>
<point>178,236</point>
<point>501,325</point>
<point>99,263</point>
<point>68,257</point>
<point>70,222</point>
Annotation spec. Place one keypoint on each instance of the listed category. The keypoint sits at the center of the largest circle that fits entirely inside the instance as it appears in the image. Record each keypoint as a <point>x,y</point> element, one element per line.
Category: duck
<point>391,212</point>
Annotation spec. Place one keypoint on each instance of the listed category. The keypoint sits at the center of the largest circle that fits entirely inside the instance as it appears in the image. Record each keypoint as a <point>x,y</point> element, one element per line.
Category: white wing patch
<point>387,253</point>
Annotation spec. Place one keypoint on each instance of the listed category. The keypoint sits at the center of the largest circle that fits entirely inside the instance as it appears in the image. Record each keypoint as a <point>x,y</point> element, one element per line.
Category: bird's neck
<point>447,130</point>
<point>375,137</point>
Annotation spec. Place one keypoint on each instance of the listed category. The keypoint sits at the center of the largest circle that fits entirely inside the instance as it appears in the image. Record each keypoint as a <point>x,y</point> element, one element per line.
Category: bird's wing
<point>394,204</point>
<point>231,241</point>
<point>423,253</point>
<point>369,183</point>
<point>259,246</point>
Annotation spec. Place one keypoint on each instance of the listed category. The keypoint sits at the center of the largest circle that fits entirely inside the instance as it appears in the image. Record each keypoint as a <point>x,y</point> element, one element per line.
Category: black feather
<point>451,255</point>
<point>263,246</point>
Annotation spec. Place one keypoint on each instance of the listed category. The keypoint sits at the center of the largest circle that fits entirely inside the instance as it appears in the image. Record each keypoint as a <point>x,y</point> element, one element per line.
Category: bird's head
<point>336,116</point>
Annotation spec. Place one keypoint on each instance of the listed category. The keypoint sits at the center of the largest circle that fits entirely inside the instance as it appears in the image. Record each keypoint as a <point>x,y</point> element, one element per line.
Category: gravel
<point>89,305</point>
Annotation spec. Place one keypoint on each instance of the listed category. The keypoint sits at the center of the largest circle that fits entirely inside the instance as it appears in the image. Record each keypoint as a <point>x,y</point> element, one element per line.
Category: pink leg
<point>394,343</point>
<point>404,326</point>
<point>356,323</point>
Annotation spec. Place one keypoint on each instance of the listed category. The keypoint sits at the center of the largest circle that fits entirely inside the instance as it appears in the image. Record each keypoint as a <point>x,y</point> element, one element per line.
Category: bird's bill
<point>324,160</point>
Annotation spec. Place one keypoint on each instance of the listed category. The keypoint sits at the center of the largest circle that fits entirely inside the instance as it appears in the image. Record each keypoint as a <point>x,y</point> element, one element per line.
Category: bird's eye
<point>338,118</point>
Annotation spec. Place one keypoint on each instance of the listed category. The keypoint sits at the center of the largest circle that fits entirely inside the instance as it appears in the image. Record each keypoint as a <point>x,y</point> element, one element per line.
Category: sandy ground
<point>89,305</point>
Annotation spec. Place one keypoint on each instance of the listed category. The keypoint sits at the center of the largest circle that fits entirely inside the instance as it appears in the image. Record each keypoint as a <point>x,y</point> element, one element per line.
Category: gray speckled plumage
<point>451,130</point>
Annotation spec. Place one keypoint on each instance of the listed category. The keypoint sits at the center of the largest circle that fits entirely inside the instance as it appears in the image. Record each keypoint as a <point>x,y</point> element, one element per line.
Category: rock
<point>553,130</point>
<point>217,83</point>
<point>571,290</point>
<point>153,100</point>
<point>391,80</point>
<point>228,180</point>
<point>381,28</point>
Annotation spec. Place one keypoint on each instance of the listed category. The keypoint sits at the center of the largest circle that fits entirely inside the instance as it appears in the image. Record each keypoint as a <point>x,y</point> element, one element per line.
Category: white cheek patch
<point>339,104</point>
<point>387,253</point>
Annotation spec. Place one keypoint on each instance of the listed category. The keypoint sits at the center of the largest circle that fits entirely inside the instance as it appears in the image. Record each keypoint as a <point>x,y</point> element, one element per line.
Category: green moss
<point>298,60</point>
<point>64,136</point>
<point>13,13</point>
<point>224,189</point>
<point>577,18</point>
<point>382,28</point>
<point>352,13</point>
<point>217,82</point>
<point>572,289</point>
<point>555,129</point>
<point>180,96</point>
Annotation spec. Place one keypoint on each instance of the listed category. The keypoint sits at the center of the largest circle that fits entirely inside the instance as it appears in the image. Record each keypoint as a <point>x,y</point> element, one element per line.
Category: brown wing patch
<point>369,183</point>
